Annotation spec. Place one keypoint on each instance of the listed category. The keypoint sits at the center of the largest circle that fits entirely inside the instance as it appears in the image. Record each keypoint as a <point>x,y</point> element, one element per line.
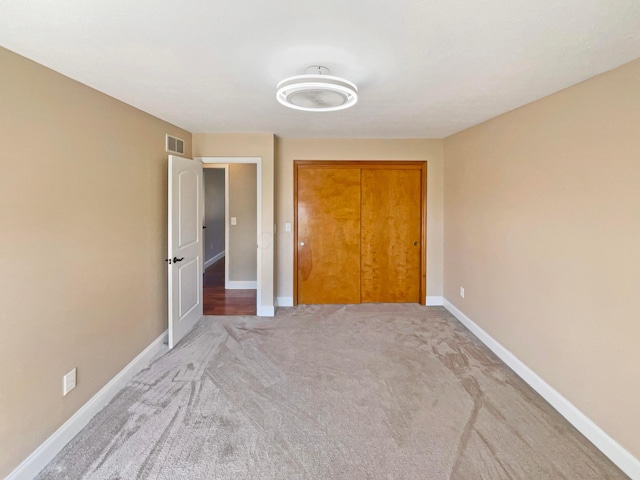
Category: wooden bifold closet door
<point>360,235</point>
<point>328,235</point>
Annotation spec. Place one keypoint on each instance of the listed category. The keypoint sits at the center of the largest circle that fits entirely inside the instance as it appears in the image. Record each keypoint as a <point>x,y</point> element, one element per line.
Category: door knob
<point>302,244</point>
<point>176,259</point>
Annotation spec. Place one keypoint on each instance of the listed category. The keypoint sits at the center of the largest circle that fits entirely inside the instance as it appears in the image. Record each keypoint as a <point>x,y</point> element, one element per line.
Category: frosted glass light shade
<point>317,93</point>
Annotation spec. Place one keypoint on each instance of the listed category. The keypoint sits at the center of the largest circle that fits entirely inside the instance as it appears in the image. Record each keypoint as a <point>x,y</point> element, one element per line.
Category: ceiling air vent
<point>175,145</point>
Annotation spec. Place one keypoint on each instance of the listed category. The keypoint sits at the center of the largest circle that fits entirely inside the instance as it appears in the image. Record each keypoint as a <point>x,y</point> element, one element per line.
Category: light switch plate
<point>234,221</point>
<point>69,381</point>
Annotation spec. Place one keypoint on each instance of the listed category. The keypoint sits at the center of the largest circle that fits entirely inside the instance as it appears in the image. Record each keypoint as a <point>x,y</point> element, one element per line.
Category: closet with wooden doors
<point>359,232</point>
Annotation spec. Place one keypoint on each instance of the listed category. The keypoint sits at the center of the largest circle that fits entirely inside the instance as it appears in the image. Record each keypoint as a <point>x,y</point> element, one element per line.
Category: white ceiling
<point>424,69</point>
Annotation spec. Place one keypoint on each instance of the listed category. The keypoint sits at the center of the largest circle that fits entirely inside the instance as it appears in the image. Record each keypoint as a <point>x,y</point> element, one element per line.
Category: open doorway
<point>230,256</point>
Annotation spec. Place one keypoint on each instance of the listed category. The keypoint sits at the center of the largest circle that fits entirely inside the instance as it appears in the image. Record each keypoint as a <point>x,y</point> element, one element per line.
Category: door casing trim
<point>269,311</point>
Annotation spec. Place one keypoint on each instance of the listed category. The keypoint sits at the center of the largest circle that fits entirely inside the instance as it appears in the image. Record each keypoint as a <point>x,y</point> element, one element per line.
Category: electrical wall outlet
<point>462,292</point>
<point>69,381</point>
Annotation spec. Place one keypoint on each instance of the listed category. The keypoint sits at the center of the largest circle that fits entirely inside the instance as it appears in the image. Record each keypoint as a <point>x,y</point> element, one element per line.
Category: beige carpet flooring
<point>371,392</point>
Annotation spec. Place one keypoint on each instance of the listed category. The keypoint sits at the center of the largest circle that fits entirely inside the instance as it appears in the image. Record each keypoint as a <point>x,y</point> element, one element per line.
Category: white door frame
<point>225,161</point>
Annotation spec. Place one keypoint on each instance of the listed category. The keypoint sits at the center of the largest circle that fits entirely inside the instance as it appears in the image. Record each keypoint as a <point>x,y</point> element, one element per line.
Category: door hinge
<point>168,260</point>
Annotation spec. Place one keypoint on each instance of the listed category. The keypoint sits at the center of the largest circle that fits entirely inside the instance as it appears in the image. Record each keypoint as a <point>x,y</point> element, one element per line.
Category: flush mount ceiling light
<point>316,91</point>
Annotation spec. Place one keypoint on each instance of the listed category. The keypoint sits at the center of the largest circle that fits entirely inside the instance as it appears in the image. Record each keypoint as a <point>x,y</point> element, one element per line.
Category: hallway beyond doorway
<point>218,301</point>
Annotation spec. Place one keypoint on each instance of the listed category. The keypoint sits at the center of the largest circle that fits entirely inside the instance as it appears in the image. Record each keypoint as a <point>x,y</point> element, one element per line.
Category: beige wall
<point>289,149</point>
<point>214,208</point>
<point>542,228</point>
<point>250,145</point>
<point>242,255</point>
<point>83,237</point>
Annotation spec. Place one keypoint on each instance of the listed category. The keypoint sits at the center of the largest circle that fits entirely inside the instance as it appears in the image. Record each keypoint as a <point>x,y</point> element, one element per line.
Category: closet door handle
<point>176,259</point>
<point>302,244</point>
<point>415,244</point>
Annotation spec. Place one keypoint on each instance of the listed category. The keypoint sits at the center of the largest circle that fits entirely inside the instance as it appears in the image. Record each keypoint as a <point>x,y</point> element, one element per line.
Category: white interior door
<point>186,205</point>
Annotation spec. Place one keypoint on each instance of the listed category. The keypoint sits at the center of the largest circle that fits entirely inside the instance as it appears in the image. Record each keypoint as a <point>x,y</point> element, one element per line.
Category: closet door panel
<point>391,235</point>
<point>328,235</point>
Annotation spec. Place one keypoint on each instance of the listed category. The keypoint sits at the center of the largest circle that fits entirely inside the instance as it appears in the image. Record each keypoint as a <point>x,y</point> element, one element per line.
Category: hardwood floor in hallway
<point>218,301</point>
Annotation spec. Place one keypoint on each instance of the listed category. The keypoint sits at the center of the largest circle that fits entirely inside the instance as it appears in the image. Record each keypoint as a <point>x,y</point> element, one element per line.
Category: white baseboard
<point>241,284</point>
<point>285,301</point>
<point>607,445</point>
<point>39,459</point>
<point>213,259</point>
<point>434,301</point>
<point>266,311</point>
